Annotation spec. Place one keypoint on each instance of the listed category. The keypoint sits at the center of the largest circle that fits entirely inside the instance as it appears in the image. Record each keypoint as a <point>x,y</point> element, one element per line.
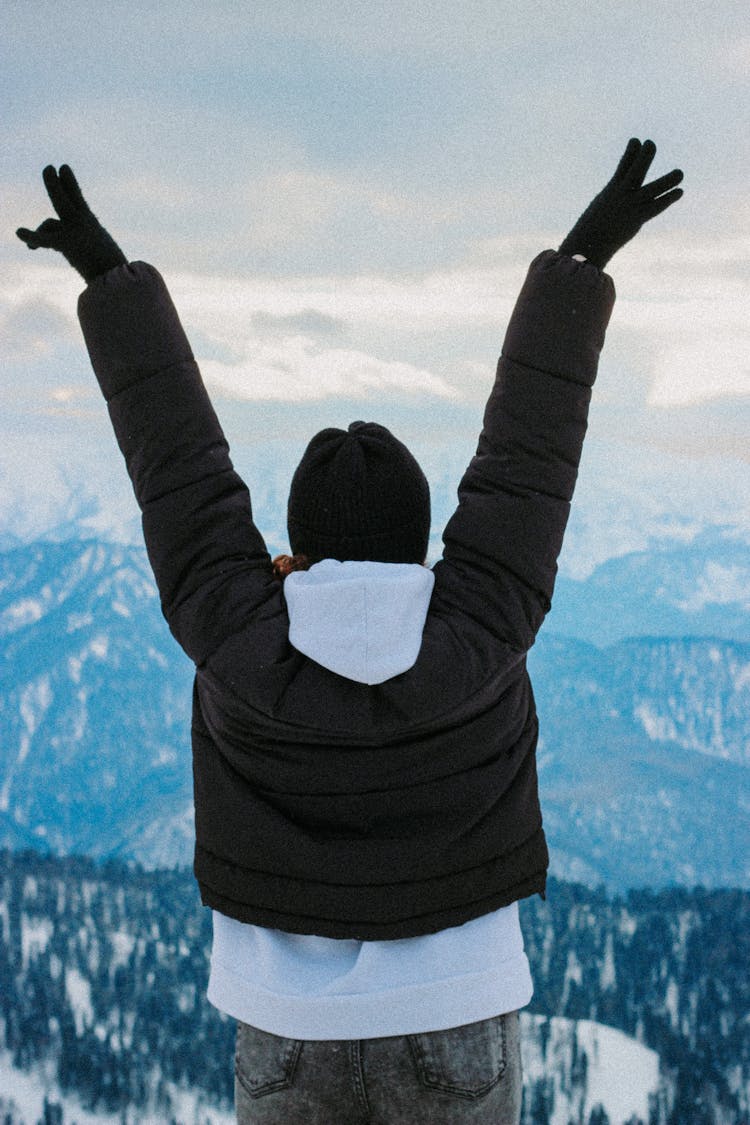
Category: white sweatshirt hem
<point>413,1010</point>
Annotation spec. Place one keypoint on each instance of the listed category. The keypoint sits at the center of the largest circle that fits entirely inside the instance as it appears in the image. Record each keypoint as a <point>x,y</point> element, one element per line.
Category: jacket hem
<point>406,925</point>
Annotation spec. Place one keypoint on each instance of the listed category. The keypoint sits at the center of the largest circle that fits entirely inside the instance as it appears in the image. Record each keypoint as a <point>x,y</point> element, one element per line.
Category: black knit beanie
<point>359,494</point>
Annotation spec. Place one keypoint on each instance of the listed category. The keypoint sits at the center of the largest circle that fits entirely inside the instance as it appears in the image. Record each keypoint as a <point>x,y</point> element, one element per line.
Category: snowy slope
<point>22,1095</point>
<point>587,1065</point>
<point>641,744</point>
<point>618,1074</point>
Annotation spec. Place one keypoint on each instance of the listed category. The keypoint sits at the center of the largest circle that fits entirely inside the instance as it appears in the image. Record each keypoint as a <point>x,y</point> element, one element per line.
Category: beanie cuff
<point>405,544</point>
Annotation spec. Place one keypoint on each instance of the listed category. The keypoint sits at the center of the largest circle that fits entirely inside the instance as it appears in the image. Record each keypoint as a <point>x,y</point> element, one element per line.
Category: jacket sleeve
<point>502,543</point>
<point>209,559</point>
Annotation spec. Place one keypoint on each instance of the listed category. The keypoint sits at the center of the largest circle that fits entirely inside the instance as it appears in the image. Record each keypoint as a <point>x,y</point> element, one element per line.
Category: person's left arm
<point>209,559</point>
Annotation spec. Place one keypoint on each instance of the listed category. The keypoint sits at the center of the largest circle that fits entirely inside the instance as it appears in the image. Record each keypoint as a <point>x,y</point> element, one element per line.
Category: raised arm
<point>502,544</point>
<point>208,558</point>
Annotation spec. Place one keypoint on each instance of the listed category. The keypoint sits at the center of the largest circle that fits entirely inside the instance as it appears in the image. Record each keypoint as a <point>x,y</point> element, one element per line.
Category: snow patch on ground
<point>620,1072</point>
<point>78,991</point>
<point>672,1003</point>
<point>99,646</point>
<point>608,975</point>
<point>122,946</point>
<point>718,585</point>
<point>620,1075</point>
<point>35,934</point>
<point>29,1088</point>
<point>26,611</point>
<point>35,700</point>
<point>659,728</point>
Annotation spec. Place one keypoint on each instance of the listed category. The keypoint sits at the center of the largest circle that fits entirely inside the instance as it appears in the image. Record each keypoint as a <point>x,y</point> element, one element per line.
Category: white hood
<point>363,620</point>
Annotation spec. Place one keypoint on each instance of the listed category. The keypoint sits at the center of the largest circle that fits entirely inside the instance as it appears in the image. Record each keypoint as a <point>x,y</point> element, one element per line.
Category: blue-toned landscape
<point>344,200</point>
<point>645,741</point>
<point>643,690</point>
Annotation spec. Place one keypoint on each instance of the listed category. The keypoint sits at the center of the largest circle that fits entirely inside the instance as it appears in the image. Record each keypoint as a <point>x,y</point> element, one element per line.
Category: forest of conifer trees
<point>103,971</point>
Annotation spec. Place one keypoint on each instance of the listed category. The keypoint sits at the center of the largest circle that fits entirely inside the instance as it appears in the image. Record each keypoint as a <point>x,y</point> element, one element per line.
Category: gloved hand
<point>622,207</point>
<point>77,234</point>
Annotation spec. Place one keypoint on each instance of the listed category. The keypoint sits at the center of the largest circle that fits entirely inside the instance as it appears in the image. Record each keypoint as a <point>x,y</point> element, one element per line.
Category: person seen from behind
<point>364,731</point>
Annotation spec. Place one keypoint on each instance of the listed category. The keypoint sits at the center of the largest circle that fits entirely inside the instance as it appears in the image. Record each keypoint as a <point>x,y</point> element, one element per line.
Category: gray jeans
<point>467,1074</point>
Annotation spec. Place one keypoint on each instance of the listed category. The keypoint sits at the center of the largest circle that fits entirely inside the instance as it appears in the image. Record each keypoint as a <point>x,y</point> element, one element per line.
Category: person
<point>364,730</point>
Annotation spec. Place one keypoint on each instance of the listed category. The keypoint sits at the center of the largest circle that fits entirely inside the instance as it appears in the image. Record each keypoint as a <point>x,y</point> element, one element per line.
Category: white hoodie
<point>364,621</point>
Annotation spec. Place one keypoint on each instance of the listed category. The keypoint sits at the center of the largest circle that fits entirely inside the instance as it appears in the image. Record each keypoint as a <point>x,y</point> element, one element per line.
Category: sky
<point>344,199</point>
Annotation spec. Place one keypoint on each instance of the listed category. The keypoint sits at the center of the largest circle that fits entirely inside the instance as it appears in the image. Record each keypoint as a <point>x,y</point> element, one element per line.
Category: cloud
<point>465,295</point>
<point>343,212</point>
<point>297,372</point>
<point>716,428</point>
<point>699,367</point>
<point>303,338</point>
<point>40,277</point>
<point>307,322</point>
<point>684,303</point>
<point>679,338</point>
<point>681,319</point>
<point>732,57</point>
<point>32,326</point>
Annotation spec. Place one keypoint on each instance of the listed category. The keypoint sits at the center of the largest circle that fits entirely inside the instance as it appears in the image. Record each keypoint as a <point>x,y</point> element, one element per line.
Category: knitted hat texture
<point>359,494</point>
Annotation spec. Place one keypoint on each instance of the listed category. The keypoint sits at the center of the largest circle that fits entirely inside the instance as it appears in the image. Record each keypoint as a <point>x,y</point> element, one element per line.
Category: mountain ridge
<point>643,742</point>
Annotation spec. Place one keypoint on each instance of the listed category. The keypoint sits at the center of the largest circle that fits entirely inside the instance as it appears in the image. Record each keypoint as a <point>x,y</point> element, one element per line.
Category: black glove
<point>77,234</point>
<point>623,206</point>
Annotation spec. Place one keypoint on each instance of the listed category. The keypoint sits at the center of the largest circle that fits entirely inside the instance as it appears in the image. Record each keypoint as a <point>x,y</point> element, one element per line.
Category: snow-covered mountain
<point>637,558</point>
<point>643,759</point>
<point>644,744</point>
<point>94,706</point>
<point>639,1013</point>
<point>695,588</point>
<point>584,1068</point>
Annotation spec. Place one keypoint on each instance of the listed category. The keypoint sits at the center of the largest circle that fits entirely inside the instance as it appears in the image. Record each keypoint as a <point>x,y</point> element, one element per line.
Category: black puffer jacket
<point>323,805</point>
